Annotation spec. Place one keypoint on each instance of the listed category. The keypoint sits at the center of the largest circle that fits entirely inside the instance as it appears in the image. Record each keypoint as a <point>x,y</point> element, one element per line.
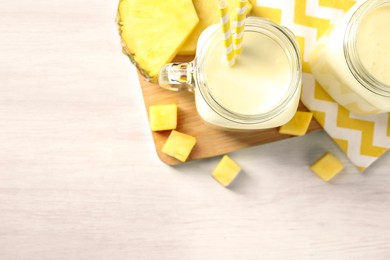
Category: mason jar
<point>262,89</point>
<point>352,60</point>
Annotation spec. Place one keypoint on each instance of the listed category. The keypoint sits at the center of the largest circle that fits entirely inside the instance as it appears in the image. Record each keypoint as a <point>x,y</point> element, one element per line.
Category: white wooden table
<point>79,177</point>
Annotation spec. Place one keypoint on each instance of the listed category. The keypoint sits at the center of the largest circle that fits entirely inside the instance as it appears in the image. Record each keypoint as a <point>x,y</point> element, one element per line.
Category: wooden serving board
<point>211,141</point>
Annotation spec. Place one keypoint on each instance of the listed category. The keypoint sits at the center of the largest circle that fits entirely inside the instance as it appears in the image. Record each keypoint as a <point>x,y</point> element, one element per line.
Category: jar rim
<point>296,73</point>
<point>354,63</point>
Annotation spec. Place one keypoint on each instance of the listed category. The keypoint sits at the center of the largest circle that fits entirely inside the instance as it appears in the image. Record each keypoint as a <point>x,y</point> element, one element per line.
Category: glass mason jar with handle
<point>261,90</point>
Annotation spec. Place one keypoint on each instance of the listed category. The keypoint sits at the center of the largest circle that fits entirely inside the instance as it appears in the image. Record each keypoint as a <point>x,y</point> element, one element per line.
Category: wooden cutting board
<point>211,141</point>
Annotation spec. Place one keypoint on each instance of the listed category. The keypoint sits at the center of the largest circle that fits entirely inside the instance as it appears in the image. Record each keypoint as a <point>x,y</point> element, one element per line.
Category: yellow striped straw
<point>239,30</point>
<point>227,33</point>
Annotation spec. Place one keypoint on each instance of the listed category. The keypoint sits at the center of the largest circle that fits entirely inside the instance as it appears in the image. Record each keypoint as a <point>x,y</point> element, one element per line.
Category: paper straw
<point>239,30</point>
<point>227,33</point>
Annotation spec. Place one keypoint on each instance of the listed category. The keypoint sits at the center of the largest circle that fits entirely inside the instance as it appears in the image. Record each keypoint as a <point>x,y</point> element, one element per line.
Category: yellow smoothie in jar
<point>373,43</point>
<point>351,62</point>
<point>257,82</point>
<point>261,90</point>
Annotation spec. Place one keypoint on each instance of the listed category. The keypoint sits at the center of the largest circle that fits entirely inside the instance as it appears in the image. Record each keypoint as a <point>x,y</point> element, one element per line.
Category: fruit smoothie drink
<point>352,61</point>
<point>261,90</point>
<point>257,82</point>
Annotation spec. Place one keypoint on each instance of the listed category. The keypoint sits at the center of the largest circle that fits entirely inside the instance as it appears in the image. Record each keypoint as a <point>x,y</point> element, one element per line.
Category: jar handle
<point>177,76</point>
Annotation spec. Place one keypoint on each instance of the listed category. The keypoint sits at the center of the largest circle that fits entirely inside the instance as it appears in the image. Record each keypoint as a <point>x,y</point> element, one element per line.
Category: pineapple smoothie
<point>373,43</point>
<point>352,61</point>
<point>261,90</point>
<point>256,83</point>
<point>259,83</point>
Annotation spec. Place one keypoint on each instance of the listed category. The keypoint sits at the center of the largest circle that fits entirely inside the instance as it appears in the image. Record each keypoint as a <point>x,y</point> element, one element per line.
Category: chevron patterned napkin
<point>363,138</point>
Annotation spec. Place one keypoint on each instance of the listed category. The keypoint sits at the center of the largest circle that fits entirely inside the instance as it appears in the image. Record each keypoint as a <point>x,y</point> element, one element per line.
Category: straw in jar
<point>239,30</point>
<point>226,30</point>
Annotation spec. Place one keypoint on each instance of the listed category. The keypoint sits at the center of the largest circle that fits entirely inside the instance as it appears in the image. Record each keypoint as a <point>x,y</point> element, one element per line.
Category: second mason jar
<point>261,90</point>
<point>352,60</point>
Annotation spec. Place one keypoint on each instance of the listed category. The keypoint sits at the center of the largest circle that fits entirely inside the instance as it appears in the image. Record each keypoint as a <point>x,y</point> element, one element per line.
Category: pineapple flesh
<point>163,117</point>
<point>226,171</point>
<point>298,125</point>
<point>152,31</point>
<point>327,167</point>
<point>208,14</point>
<point>179,145</point>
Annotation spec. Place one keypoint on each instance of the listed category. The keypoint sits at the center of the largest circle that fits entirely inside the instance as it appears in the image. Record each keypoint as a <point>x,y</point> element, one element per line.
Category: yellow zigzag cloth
<point>363,138</point>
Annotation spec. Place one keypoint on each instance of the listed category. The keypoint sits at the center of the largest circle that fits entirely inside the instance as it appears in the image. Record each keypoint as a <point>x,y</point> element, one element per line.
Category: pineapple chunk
<point>226,171</point>
<point>163,117</point>
<point>179,145</point>
<point>298,125</point>
<point>208,14</point>
<point>152,31</point>
<point>327,167</point>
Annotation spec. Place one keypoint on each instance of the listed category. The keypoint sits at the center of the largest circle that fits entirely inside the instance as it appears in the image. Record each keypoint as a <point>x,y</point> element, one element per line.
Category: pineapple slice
<point>179,145</point>
<point>226,171</point>
<point>163,117</point>
<point>327,167</point>
<point>298,125</point>
<point>152,31</point>
<point>208,14</point>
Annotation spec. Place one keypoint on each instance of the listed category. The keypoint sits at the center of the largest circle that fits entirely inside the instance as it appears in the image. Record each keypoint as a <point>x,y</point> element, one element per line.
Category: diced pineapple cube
<point>163,117</point>
<point>327,167</point>
<point>298,125</point>
<point>179,145</point>
<point>152,31</point>
<point>208,14</point>
<point>226,171</point>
